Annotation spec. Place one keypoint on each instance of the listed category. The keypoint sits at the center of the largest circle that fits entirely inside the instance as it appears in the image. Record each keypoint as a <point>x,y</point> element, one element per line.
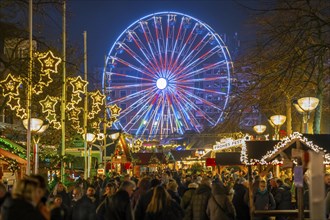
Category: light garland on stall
<point>296,136</point>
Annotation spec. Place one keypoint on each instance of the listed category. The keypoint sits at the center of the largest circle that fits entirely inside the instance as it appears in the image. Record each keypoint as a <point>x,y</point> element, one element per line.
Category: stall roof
<point>228,158</point>
<point>255,150</point>
<point>180,155</point>
<point>149,158</point>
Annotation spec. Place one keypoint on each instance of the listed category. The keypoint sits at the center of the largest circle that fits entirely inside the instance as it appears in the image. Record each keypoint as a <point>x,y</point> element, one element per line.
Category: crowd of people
<point>157,196</point>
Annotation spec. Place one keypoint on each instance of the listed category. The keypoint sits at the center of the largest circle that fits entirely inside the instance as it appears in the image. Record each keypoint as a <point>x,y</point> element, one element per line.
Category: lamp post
<point>277,121</point>
<point>89,138</point>
<point>36,127</point>
<point>259,129</point>
<point>305,106</point>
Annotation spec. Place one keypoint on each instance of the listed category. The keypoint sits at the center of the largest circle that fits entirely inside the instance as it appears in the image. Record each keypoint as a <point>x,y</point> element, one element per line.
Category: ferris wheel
<point>170,73</point>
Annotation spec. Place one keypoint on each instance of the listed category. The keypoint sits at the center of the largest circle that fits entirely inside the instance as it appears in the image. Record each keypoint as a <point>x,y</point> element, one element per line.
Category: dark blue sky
<point>105,20</point>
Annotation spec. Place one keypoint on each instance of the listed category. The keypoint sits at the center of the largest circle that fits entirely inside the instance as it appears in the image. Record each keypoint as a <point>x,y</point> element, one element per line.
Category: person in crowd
<point>197,207</point>
<point>110,190</point>
<point>263,200</point>
<point>219,205</point>
<point>272,187</point>
<point>327,183</point>
<point>172,189</point>
<point>60,189</point>
<point>187,196</point>
<point>85,206</point>
<point>119,206</point>
<point>143,186</point>
<point>3,194</point>
<point>26,196</point>
<point>240,199</point>
<point>255,184</point>
<point>43,193</point>
<point>162,206</point>
<point>141,207</point>
<point>282,198</point>
<point>59,210</point>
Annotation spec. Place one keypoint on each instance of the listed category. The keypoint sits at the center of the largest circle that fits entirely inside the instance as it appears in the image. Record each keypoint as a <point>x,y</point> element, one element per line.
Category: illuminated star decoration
<point>51,117</point>
<point>138,142</point>
<point>38,89</point>
<point>74,114</point>
<point>13,102</point>
<point>78,84</point>
<point>57,125</point>
<point>114,109</point>
<point>10,85</point>
<point>48,104</point>
<point>45,79</point>
<point>97,97</point>
<point>20,112</point>
<point>75,98</point>
<point>49,62</point>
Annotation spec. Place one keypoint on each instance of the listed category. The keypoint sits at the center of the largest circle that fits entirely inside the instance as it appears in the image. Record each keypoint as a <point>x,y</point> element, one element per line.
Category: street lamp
<point>89,138</point>
<point>277,121</point>
<point>259,129</point>
<point>36,127</point>
<point>305,106</point>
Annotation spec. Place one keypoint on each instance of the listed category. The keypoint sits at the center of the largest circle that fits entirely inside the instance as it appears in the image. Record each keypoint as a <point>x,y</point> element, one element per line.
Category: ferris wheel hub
<point>161,83</point>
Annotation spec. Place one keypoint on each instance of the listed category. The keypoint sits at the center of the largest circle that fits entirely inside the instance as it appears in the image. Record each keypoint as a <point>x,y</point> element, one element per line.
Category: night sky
<point>105,20</point>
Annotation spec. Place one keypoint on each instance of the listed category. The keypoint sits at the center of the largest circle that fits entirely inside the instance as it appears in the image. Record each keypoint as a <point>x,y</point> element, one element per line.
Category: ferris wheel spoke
<point>136,57</point>
<point>185,43</point>
<point>197,108</point>
<point>192,80</point>
<point>151,44</point>
<point>158,25</point>
<point>175,44</point>
<point>144,50</point>
<point>132,66</point>
<point>132,77</point>
<point>133,85</point>
<point>190,73</point>
<point>125,99</point>
<point>190,60</point>
<point>203,90</point>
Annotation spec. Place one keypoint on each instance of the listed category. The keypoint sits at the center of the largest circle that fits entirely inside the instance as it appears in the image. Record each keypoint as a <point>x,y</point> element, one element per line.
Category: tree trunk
<point>318,113</point>
<point>288,116</point>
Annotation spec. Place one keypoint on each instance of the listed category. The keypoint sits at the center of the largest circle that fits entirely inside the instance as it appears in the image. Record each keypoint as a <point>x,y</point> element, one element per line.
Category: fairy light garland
<point>296,136</point>
<point>12,149</point>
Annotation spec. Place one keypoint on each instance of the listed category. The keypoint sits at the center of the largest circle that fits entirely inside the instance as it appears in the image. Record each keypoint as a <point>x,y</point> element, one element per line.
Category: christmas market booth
<point>12,161</point>
<point>148,162</point>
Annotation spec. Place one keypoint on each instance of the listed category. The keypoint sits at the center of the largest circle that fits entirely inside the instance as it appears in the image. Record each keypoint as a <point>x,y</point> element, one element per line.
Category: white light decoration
<point>161,83</point>
<point>114,136</point>
<point>287,141</point>
<point>308,104</point>
<point>35,124</point>
<point>259,129</point>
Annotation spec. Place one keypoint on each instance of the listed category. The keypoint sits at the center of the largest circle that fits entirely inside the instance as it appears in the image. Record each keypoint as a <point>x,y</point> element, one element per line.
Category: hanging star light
<point>95,109</point>
<point>49,62</point>
<point>109,124</point>
<point>75,98</point>
<point>75,124</point>
<point>74,114</point>
<point>20,112</point>
<point>13,102</point>
<point>91,115</point>
<point>45,79</point>
<point>97,97</point>
<point>10,85</point>
<point>114,109</point>
<point>51,117</point>
<point>70,106</point>
<point>57,125</point>
<point>96,124</point>
<point>78,84</point>
<point>80,131</point>
<point>48,104</point>
<point>113,119</point>
<point>37,89</point>
<point>138,142</point>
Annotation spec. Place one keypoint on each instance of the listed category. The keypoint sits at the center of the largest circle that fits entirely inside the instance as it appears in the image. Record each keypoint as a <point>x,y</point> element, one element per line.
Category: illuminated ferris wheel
<point>170,73</point>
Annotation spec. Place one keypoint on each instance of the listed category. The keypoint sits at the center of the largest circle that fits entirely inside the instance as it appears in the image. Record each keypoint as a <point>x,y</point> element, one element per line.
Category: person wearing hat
<point>186,198</point>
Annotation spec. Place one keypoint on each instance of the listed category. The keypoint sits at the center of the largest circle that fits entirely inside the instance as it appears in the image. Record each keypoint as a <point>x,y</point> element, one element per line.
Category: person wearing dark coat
<point>282,198</point>
<point>60,190</point>
<point>119,205</point>
<point>144,200</point>
<point>197,207</point>
<point>162,206</point>
<point>23,204</point>
<point>187,196</point>
<point>60,211</point>
<point>240,200</point>
<point>263,200</point>
<point>83,207</point>
<point>219,205</point>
